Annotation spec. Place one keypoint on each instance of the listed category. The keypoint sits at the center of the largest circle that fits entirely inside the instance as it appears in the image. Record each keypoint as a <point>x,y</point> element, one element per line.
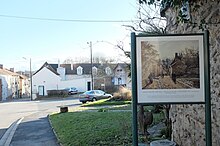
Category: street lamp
<point>90,46</point>
<point>30,78</point>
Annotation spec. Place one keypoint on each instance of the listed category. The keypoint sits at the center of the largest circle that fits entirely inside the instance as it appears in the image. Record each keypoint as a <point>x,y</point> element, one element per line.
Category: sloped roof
<point>4,72</point>
<point>71,69</point>
<point>123,65</point>
<point>8,72</point>
<point>54,66</point>
<point>87,67</point>
<point>48,66</point>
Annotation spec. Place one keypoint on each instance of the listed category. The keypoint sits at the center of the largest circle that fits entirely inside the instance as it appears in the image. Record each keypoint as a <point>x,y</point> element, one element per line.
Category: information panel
<point>170,69</point>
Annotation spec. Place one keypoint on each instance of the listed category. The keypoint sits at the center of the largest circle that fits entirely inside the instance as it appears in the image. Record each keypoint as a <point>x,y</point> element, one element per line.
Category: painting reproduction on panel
<point>170,64</point>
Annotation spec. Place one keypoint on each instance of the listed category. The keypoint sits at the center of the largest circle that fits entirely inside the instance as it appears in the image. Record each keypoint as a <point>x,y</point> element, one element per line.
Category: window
<point>119,70</point>
<point>97,92</point>
<point>108,70</point>
<point>94,70</point>
<point>79,70</point>
<point>119,81</point>
<point>101,92</point>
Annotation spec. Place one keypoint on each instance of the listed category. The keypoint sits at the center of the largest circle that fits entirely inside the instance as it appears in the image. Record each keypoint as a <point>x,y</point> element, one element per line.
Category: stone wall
<point>189,120</point>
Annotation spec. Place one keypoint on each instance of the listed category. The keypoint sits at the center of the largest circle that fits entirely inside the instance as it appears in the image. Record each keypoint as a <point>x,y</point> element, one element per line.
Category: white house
<point>121,75</point>
<point>6,79</point>
<point>48,78</point>
<point>61,76</point>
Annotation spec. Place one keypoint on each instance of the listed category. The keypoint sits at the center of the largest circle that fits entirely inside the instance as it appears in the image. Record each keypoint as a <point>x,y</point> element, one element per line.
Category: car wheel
<point>83,102</point>
<point>94,99</point>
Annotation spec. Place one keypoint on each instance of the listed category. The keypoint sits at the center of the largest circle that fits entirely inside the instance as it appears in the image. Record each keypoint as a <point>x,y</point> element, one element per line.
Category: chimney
<point>12,69</point>
<point>71,65</point>
<point>59,63</point>
<point>176,55</point>
<point>1,66</point>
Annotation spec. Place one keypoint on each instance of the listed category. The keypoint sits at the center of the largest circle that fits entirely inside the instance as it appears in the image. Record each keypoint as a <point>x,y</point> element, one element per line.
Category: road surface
<point>12,111</point>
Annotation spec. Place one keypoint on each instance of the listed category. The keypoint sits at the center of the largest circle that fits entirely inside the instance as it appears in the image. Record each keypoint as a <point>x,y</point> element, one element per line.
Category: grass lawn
<point>93,128</point>
<point>108,127</point>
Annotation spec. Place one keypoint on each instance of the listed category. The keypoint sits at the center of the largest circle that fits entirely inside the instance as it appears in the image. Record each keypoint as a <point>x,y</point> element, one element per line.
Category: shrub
<point>122,94</point>
<point>62,93</point>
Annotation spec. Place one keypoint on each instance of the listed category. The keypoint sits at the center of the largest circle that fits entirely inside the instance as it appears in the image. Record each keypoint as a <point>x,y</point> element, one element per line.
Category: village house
<point>61,76</point>
<point>12,85</point>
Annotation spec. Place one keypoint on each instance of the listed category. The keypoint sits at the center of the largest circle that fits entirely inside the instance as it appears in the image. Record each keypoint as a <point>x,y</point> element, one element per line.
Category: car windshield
<point>89,92</point>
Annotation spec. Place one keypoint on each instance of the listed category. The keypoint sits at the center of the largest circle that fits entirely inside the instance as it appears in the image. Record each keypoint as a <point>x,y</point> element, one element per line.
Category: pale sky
<point>167,49</point>
<point>46,40</point>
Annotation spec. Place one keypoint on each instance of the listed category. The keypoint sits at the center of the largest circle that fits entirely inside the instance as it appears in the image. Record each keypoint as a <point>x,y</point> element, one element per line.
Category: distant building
<point>12,85</point>
<point>60,76</point>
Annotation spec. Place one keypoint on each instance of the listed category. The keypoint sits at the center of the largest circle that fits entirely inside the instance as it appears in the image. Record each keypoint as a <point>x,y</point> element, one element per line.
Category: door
<point>88,86</point>
<point>41,90</point>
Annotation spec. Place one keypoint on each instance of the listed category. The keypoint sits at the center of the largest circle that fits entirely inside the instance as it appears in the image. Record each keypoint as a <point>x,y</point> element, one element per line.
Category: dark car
<point>93,95</point>
<point>71,90</point>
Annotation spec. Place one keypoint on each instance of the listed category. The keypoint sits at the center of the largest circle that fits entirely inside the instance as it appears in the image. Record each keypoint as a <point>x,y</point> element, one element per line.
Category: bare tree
<point>149,23</point>
<point>149,20</point>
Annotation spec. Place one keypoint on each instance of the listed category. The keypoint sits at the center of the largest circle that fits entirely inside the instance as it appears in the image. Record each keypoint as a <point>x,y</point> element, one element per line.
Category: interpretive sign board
<point>170,68</point>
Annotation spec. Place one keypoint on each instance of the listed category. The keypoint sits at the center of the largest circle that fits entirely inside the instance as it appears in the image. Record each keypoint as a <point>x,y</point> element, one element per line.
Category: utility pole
<point>92,83</point>
<point>31,79</point>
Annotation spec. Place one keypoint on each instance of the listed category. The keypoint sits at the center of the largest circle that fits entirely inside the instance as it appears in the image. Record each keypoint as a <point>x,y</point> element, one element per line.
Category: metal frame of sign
<point>205,83</point>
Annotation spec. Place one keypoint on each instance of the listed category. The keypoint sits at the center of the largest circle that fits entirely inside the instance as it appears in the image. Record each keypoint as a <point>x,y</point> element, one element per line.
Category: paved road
<point>34,128</point>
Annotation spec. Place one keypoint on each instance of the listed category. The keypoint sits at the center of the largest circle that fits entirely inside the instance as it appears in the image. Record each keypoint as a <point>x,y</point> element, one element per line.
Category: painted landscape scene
<point>170,64</point>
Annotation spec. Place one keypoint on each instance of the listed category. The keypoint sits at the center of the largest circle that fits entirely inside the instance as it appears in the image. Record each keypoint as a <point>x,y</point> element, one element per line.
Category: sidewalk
<point>34,130</point>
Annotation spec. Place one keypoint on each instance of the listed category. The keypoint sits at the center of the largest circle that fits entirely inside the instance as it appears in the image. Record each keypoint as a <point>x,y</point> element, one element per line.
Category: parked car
<point>71,90</point>
<point>93,95</point>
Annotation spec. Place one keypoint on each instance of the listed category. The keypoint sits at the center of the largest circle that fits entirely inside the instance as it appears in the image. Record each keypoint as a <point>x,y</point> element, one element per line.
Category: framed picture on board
<point>170,68</point>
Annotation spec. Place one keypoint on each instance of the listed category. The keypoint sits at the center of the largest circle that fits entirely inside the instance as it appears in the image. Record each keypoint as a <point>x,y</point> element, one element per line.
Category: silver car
<point>93,95</point>
<point>71,90</point>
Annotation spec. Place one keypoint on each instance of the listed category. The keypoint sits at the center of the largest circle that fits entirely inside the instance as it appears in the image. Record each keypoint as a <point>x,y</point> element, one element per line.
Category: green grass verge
<point>121,107</point>
<point>93,128</point>
<point>105,102</point>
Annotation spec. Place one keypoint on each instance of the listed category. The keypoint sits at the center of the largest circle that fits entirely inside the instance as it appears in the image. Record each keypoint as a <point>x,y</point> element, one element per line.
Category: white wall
<point>62,72</point>
<point>7,86</point>
<point>79,83</point>
<point>4,87</point>
<point>45,78</point>
<point>120,74</point>
<point>51,81</point>
<point>73,77</point>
